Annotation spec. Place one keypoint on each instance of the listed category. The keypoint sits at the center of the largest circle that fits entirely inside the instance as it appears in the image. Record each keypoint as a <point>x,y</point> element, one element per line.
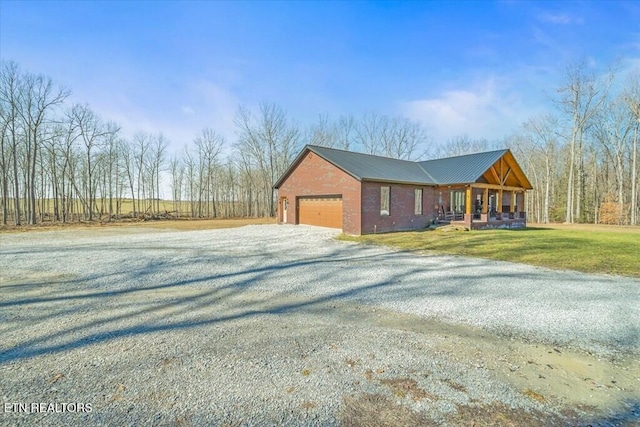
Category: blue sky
<point>480,68</point>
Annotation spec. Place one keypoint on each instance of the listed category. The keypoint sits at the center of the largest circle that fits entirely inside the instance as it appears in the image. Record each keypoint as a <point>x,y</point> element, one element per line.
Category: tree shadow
<point>134,303</point>
<point>210,293</point>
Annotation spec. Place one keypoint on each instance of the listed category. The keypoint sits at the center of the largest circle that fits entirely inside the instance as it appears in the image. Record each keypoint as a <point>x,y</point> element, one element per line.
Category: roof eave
<point>391,181</point>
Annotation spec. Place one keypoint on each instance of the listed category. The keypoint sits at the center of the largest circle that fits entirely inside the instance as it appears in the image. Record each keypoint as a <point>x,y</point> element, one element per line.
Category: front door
<point>284,211</point>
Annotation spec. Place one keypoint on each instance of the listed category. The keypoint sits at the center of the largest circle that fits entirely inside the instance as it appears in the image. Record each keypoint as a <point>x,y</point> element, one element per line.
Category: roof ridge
<point>363,166</point>
<point>502,150</point>
<point>427,173</point>
<point>311,146</point>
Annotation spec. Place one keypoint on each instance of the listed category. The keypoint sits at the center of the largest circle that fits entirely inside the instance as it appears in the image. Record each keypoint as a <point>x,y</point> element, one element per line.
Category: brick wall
<point>314,176</point>
<point>401,213</point>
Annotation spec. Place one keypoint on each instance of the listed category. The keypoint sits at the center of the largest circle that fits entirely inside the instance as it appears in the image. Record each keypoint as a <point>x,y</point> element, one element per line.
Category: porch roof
<point>461,169</point>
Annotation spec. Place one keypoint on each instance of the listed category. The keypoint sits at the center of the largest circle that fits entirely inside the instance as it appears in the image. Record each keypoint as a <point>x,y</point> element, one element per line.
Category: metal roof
<point>374,168</point>
<point>464,169</point>
<point>461,169</point>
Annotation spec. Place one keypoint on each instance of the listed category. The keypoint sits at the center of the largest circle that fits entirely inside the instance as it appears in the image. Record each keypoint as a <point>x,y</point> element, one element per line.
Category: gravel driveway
<point>279,325</point>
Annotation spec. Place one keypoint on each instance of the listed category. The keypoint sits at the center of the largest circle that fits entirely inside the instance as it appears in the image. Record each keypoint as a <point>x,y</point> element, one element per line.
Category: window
<point>457,201</point>
<point>418,201</point>
<point>385,193</point>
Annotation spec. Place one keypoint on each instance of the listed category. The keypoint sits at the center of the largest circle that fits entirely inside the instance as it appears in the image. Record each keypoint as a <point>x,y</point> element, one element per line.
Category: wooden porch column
<point>468,204</point>
<point>485,201</point>
<point>499,202</point>
<point>513,201</point>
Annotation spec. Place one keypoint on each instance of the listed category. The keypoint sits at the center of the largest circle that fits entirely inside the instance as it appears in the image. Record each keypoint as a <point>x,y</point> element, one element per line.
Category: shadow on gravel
<point>130,303</point>
<point>627,418</point>
<point>49,317</point>
<point>175,310</point>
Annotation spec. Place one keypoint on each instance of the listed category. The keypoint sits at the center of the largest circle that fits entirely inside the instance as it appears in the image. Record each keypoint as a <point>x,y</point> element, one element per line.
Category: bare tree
<point>113,154</point>
<point>581,97</point>
<point>368,133</point>
<point>10,87</point>
<point>343,131</point>
<point>129,163</point>
<point>65,141</point>
<point>321,133</point>
<point>462,144</point>
<point>632,97</point>
<point>396,137</point>
<point>543,137</point>
<point>5,124</point>
<point>268,143</point>
<point>141,144</point>
<point>613,129</point>
<point>156,166</point>
<point>402,138</point>
<point>191,173</point>
<point>91,131</point>
<point>176,169</point>
<point>37,99</point>
<point>209,145</point>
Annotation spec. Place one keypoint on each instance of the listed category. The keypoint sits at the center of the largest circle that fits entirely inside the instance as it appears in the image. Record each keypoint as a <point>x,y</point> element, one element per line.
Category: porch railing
<point>453,216</point>
<point>493,216</point>
<point>500,216</point>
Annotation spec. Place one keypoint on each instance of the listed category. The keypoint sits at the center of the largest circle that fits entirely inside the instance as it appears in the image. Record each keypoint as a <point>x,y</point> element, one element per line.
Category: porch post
<point>513,201</point>
<point>485,201</point>
<point>468,204</point>
<point>499,202</point>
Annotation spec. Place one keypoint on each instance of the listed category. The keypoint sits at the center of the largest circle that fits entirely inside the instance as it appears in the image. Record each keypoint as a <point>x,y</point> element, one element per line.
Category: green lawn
<point>591,251</point>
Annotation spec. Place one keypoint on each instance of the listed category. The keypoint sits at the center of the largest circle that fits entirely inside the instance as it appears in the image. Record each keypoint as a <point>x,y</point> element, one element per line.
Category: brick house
<point>363,194</point>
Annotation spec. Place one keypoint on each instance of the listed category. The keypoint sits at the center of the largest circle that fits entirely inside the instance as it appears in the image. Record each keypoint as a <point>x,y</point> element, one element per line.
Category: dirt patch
<point>575,386</point>
<point>496,415</point>
<point>375,410</point>
<point>561,377</point>
<point>380,411</point>
<point>407,387</point>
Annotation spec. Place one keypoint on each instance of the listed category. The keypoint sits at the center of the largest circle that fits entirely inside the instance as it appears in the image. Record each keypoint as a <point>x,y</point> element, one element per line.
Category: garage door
<point>325,211</point>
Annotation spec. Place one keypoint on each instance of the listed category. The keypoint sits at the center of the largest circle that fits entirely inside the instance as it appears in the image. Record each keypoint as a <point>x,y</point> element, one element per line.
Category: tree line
<point>62,163</point>
<point>582,155</point>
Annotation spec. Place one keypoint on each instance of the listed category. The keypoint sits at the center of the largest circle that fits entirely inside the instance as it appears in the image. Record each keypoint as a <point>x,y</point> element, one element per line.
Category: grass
<point>598,249</point>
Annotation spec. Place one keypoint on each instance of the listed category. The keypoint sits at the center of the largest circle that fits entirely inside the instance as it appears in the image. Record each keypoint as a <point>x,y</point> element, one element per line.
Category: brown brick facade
<point>314,176</point>
<point>401,210</point>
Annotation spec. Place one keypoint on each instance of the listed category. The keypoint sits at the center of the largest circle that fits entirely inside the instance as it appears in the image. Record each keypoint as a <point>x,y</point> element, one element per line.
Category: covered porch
<point>483,206</point>
<point>494,198</point>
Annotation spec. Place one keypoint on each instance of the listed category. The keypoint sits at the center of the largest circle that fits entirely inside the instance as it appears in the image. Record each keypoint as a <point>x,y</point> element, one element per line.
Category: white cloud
<point>198,105</point>
<point>187,111</point>
<point>483,111</point>
<point>560,18</point>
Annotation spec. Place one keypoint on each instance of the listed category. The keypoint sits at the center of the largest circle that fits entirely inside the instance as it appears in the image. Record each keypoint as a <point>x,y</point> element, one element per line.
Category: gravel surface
<point>271,325</point>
